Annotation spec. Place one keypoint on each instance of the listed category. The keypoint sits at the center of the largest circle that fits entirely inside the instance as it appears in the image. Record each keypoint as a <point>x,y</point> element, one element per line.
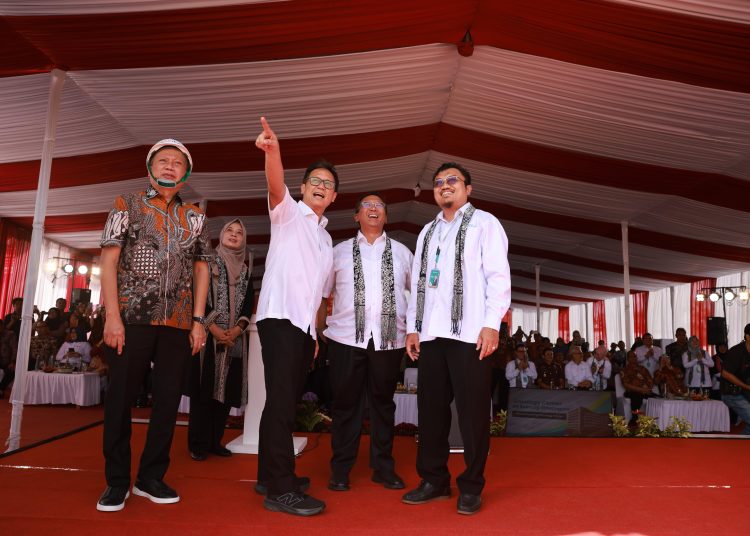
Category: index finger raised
<point>266,127</point>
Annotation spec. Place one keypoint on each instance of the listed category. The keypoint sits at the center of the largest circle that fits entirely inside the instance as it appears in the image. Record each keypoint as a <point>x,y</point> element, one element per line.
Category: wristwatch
<point>200,319</point>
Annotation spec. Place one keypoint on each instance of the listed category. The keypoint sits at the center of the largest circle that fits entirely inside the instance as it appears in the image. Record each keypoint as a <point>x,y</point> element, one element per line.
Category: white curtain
<point>614,312</point>
<point>681,297</point>
<point>51,285</point>
<point>580,321</point>
<point>659,314</point>
<point>737,315</point>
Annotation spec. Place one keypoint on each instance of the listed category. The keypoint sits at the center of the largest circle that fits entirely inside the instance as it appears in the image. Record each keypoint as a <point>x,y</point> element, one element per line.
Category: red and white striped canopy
<point>572,116</point>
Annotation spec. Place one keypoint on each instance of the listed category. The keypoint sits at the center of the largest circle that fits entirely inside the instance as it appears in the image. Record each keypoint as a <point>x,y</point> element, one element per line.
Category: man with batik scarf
<point>366,333</point>
<point>154,278</point>
<point>638,383</point>
<point>460,291</point>
<point>670,379</point>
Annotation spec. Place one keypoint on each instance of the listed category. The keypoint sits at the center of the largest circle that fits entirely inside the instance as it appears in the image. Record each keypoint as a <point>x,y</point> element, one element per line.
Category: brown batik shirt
<point>159,243</point>
<point>636,375</point>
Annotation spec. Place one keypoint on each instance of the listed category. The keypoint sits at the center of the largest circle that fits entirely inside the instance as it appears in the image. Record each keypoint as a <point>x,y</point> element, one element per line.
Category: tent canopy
<point>571,115</point>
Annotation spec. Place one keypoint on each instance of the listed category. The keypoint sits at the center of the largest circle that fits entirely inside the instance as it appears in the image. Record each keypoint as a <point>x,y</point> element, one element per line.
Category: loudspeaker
<point>716,326</point>
<point>81,295</point>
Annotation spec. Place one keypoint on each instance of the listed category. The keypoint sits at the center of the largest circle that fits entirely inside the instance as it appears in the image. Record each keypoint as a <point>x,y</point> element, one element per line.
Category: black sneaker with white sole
<point>113,499</point>
<point>295,503</point>
<point>156,491</point>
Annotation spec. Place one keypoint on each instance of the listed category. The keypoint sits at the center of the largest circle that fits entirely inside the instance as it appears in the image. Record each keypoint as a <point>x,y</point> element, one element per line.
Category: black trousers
<point>287,354</point>
<point>449,368</point>
<point>169,349</point>
<point>356,373</point>
<point>636,399</point>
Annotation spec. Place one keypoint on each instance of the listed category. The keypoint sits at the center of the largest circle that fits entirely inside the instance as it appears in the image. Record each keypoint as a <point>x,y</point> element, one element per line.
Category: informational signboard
<point>543,412</point>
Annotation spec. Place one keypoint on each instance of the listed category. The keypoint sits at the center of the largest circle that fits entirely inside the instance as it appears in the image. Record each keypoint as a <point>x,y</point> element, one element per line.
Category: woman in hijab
<point>697,365</point>
<point>218,380</point>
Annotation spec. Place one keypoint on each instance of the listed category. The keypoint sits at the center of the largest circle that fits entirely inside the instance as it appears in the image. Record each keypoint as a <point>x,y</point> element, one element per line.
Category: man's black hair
<point>453,165</point>
<point>323,164</point>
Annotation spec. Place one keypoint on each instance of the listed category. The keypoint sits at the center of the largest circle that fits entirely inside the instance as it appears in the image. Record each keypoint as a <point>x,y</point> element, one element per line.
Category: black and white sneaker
<point>155,491</point>
<point>113,499</point>
<point>295,503</point>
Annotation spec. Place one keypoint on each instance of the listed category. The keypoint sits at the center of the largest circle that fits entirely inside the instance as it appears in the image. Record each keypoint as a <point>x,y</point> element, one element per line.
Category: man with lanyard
<point>460,291</point>
<point>154,280</point>
<point>300,257</point>
<point>366,333</point>
<point>648,354</point>
<point>735,380</point>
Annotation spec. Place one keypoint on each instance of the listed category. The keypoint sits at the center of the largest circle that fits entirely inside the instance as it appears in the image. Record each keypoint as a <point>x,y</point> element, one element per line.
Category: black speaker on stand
<point>81,295</point>
<point>716,326</point>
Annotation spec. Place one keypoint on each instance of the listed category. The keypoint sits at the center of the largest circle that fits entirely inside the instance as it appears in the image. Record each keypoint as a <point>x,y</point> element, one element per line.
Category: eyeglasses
<point>372,204</point>
<point>451,180</point>
<point>316,181</point>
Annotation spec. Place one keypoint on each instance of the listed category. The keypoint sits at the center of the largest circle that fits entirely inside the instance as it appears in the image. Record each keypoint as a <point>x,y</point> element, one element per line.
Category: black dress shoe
<point>301,484</point>
<point>221,451</point>
<point>198,456</point>
<point>469,504</point>
<point>155,491</point>
<point>389,480</point>
<point>338,485</point>
<point>113,499</point>
<point>295,503</point>
<point>426,492</point>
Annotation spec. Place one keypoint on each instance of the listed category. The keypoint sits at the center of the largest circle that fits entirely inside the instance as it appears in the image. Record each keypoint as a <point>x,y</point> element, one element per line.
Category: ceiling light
<point>83,269</point>
<point>714,296</point>
<point>51,265</point>
<point>701,296</point>
<point>744,294</point>
<point>729,295</point>
<point>68,268</point>
<point>95,270</point>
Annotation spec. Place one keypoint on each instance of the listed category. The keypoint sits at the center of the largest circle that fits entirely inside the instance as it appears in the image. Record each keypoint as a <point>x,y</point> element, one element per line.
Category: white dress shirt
<point>81,347</point>
<point>515,375</point>
<point>299,259</point>
<point>341,327</point>
<point>575,374</point>
<point>486,274</point>
<point>651,363</point>
<point>605,374</point>
<point>695,366</point>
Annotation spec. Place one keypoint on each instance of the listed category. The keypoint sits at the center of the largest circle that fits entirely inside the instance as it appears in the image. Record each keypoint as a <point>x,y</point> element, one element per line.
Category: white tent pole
<point>57,80</point>
<point>626,282</point>
<point>537,268</point>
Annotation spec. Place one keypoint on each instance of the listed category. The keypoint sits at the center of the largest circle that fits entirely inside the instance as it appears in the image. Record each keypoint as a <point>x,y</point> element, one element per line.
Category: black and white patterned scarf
<point>388,309</point>
<point>457,304</point>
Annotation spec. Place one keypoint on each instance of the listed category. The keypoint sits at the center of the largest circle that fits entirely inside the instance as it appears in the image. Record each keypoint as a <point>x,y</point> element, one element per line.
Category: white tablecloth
<point>705,416</point>
<point>406,408</point>
<point>56,388</point>
<point>185,407</point>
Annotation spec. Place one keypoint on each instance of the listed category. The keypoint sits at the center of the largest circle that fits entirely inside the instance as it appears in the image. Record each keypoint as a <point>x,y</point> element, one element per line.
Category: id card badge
<point>434,278</point>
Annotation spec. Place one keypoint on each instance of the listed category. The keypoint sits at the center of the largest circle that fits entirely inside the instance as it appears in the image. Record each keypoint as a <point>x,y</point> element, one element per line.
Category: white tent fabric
<point>659,314</point>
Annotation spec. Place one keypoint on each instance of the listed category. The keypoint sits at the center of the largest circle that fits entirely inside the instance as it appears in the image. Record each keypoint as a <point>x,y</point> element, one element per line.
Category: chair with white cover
<point>623,402</point>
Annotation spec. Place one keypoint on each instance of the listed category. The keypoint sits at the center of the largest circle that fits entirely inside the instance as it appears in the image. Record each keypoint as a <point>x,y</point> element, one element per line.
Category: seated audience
<point>648,354</point>
<point>675,349</point>
<point>618,356</point>
<point>74,351</point>
<point>718,359</point>
<point>42,348</point>
<point>601,368</point>
<point>670,378</point>
<point>638,383</point>
<point>577,372</point>
<point>520,372</point>
<point>56,324</point>
<point>579,342</point>
<point>551,375</point>
<point>560,346</point>
<point>697,364</point>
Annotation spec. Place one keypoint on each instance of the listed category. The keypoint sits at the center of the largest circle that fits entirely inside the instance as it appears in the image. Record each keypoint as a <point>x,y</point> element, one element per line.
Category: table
<point>81,389</point>
<point>704,415</point>
<point>406,408</point>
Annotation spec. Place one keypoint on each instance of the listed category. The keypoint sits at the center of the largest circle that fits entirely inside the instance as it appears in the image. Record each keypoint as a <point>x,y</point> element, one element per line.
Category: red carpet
<point>535,486</point>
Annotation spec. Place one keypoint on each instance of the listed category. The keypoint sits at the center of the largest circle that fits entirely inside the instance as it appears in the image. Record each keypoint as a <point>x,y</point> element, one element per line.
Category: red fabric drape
<point>15,242</point>
<point>600,323</point>
<point>640,313</point>
<point>563,323</point>
<point>700,311</point>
